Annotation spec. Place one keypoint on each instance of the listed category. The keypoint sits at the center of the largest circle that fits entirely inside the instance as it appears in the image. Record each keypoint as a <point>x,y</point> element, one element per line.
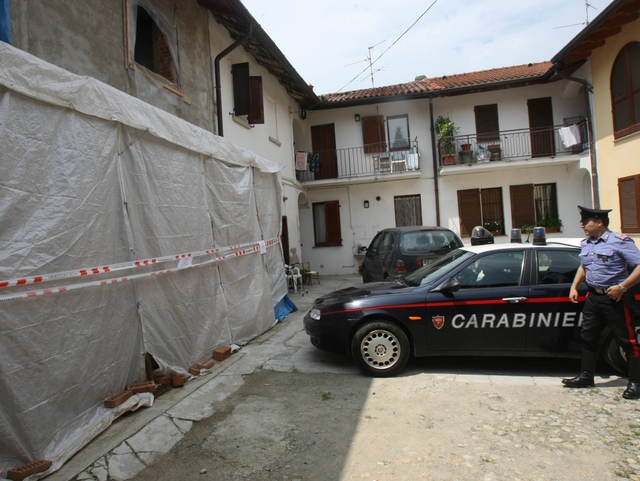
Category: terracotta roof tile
<point>448,82</point>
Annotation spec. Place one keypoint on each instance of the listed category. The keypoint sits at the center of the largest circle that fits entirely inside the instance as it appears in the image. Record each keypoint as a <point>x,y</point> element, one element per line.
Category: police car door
<point>485,313</point>
<point>553,323</point>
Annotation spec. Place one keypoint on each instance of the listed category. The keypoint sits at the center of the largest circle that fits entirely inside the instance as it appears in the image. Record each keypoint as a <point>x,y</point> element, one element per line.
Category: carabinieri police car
<point>485,300</point>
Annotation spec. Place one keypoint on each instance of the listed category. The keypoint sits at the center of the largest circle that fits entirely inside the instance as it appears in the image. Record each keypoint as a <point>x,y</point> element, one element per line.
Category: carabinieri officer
<point>605,258</point>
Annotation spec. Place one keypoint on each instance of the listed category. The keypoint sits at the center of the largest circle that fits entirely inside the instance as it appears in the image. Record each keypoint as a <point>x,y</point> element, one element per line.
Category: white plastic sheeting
<point>93,177</point>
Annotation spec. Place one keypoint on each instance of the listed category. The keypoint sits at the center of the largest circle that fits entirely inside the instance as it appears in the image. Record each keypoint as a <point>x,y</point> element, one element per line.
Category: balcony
<point>362,162</point>
<point>507,145</point>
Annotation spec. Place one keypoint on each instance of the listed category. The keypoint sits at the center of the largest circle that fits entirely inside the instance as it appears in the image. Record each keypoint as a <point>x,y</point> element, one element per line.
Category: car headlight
<point>314,314</point>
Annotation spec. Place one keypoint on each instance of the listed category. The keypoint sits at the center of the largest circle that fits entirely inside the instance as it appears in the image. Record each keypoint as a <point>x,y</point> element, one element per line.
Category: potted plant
<point>494,226</point>
<point>550,225</point>
<point>446,130</point>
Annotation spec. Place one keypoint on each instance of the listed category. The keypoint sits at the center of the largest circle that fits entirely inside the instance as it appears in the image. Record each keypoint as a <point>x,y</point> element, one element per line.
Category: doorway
<point>323,142</point>
<point>541,127</point>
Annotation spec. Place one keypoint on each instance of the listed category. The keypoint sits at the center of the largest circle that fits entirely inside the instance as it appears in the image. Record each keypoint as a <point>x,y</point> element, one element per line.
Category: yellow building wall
<point>616,158</point>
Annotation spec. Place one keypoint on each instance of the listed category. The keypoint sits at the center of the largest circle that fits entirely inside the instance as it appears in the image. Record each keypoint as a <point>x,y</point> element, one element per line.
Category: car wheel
<point>380,349</point>
<point>614,355</point>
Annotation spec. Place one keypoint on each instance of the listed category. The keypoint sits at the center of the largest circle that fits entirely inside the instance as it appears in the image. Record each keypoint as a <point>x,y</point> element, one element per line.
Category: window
<point>487,127</point>
<point>326,223</point>
<point>531,203</point>
<point>481,207</point>
<point>152,49</point>
<point>503,269</point>
<point>625,91</point>
<point>629,191</point>
<point>398,132</point>
<point>373,134</point>
<point>408,210</point>
<point>247,94</point>
<point>557,267</point>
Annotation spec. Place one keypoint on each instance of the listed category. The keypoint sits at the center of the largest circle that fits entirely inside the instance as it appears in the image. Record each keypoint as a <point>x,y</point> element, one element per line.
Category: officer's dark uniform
<point>605,261</point>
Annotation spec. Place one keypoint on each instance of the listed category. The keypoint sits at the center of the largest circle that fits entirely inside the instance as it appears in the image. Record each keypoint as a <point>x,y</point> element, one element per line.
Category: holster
<point>629,300</point>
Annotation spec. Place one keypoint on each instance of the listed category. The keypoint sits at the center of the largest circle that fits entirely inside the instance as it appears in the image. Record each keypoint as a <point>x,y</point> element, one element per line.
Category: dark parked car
<point>398,251</point>
<point>492,300</point>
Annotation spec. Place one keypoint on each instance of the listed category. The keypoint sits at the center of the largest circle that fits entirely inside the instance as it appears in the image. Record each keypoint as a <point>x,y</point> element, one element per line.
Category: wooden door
<point>323,141</point>
<point>541,127</point>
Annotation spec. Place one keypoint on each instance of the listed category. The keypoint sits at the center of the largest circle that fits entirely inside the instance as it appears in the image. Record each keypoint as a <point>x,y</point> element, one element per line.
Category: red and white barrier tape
<point>232,253</point>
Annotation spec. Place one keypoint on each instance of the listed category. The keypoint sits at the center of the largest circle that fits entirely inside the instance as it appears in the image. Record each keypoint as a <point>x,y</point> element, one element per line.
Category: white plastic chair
<point>294,277</point>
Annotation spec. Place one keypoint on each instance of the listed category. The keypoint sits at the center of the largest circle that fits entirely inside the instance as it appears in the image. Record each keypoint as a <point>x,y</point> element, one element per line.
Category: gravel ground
<point>293,426</point>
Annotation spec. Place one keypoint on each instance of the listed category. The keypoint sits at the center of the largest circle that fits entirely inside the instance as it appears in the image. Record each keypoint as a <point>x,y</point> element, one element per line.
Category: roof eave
<point>450,92</point>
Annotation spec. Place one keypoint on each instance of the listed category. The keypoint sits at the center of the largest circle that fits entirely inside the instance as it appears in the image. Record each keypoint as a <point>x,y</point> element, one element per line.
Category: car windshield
<point>440,267</point>
<point>421,242</point>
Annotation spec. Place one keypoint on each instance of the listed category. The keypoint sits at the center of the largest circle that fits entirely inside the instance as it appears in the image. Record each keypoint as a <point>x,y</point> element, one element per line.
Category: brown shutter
<point>241,89</point>
<point>469,210</point>
<point>256,116</point>
<point>373,134</point>
<point>629,191</point>
<point>487,127</point>
<point>332,218</point>
<point>522,208</point>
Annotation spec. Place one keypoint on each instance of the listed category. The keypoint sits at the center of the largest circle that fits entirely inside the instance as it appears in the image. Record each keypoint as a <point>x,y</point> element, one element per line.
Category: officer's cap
<point>586,214</point>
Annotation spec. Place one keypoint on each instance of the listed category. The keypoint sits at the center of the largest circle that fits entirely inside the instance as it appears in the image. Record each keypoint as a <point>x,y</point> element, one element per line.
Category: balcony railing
<point>513,144</point>
<point>360,161</point>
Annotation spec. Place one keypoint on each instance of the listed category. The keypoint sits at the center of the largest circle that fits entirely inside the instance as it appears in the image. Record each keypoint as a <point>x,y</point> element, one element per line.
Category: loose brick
<point>206,363</point>
<point>21,472</point>
<point>117,399</point>
<point>176,380</point>
<point>144,386</point>
<point>161,380</point>
<point>194,370</point>
<point>222,353</point>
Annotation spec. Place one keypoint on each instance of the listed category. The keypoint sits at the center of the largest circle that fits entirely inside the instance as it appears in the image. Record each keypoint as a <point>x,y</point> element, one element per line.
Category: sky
<point>327,41</point>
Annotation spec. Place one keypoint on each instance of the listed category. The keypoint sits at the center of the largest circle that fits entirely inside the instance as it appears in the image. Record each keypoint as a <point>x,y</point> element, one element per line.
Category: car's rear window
<point>422,242</point>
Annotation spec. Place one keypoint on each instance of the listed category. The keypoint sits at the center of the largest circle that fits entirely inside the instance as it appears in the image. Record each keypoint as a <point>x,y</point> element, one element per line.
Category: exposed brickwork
<point>176,380</point>
<point>21,472</point>
<point>161,380</point>
<point>145,386</point>
<point>163,60</point>
<point>117,399</point>
<point>206,363</point>
<point>194,370</point>
<point>222,353</point>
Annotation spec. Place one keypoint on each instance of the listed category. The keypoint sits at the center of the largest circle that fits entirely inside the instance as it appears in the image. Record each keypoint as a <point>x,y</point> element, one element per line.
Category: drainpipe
<point>592,150</point>
<point>219,57</point>
<point>436,189</point>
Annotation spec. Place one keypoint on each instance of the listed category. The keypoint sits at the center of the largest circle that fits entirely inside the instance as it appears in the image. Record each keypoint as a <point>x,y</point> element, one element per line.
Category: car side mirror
<point>452,285</point>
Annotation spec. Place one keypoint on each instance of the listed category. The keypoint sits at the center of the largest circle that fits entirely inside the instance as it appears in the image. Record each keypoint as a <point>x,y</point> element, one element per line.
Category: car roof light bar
<point>516,236</point>
<point>539,236</point>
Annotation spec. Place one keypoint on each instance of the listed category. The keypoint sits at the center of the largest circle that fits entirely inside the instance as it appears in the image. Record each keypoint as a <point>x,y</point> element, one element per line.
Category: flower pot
<point>465,156</point>
<point>496,152</point>
<point>465,147</point>
<point>549,230</point>
<point>448,160</point>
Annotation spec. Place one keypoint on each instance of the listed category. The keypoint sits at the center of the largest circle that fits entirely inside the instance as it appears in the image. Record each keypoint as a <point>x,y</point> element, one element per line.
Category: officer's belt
<point>597,290</point>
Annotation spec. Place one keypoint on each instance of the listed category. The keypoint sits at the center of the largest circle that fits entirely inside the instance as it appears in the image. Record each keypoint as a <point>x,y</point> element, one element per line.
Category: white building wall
<point>359,225</point>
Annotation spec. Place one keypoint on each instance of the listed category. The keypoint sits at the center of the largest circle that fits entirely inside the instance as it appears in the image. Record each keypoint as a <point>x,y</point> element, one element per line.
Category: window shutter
<point>487,127</point>
<point>469,210</point>
<point>256,116</point>
<point>332,216</point>
<point>492,205</point>
<point>629,191</point>
<point>373,134</point>
<point>241,89</point>
<point>522,207</point>
<point>625,91</point>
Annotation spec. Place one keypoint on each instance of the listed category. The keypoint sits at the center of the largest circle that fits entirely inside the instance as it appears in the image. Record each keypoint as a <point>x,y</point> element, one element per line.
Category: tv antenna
<point>587,6</point>
<point>371,69</point>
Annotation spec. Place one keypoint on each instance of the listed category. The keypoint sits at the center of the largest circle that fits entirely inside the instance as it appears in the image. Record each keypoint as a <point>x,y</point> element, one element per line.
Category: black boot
<point>585,378</point>
<point>633,388</point>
